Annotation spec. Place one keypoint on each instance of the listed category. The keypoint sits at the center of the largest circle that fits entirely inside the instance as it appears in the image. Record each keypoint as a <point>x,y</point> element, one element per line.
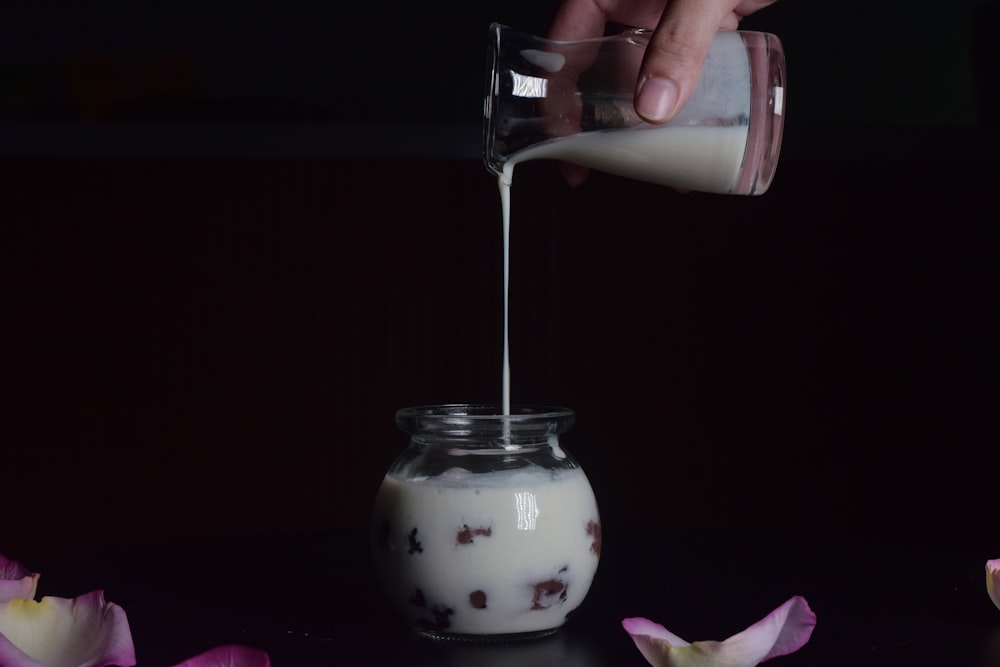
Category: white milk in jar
<point>506,553</point>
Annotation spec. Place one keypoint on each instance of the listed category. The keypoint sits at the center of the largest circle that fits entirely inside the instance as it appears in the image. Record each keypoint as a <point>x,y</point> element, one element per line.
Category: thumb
<point>671,66</point>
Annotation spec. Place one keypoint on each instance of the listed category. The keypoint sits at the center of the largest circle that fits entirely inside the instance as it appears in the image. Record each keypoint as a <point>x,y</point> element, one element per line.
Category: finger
<point>577,19</point>
<point>748,7</point>
<point>673,60</point>
<point>574,20</point>
<point>574,174</point>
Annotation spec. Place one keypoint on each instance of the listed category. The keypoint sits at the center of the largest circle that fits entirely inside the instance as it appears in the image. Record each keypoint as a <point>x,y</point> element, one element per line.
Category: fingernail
<point>657,97</point>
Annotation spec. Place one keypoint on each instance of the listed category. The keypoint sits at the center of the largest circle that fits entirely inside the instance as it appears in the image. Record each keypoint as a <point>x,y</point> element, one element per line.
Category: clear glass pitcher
<point>573,101</point>
<point>484,527</point>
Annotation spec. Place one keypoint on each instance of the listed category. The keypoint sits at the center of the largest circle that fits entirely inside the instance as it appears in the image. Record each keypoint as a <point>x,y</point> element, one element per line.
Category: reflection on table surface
<point>310,599</point>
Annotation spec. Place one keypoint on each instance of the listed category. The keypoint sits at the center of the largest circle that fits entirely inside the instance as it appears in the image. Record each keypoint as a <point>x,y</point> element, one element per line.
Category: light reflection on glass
<point>527,510</point>
<point>528,86</point>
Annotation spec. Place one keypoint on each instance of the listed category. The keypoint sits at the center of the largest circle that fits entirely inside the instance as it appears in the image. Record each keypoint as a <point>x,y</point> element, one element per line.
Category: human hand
<point>671,66</point>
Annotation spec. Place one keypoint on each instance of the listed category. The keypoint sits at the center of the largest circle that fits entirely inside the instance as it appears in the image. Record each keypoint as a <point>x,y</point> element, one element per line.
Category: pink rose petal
<point>16,581</point>
<point>644,626</point>
<point>229,656</point>
<point>993,580</point>
<point>783,631</point>
<point>85,631</point>
<point>653,640</point>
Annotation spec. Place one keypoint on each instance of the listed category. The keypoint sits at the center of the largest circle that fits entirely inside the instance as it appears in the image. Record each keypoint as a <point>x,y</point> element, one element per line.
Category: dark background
<point>235,238</point>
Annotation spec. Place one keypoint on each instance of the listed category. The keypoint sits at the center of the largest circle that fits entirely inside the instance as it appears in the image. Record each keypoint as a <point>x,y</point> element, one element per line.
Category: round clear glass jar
<point>484,527</point>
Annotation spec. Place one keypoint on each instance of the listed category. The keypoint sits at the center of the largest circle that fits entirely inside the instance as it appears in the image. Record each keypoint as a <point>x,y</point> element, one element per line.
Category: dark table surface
<point>310,599</point>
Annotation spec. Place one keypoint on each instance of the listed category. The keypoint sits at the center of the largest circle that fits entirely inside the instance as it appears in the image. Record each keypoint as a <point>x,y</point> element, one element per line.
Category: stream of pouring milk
<point>706,159</point>
<point>504,182</point>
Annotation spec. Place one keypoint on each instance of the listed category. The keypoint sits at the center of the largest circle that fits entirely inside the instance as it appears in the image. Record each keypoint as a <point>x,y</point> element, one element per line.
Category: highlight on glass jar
<point>484,527</point>
<point>573,101</point>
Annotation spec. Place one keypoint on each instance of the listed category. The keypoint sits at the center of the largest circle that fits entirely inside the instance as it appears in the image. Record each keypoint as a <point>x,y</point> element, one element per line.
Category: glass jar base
<point>500,638</point>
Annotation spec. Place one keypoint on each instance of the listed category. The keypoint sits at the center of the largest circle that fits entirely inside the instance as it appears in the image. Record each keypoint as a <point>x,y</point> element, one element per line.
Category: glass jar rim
<point>461,419</point>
